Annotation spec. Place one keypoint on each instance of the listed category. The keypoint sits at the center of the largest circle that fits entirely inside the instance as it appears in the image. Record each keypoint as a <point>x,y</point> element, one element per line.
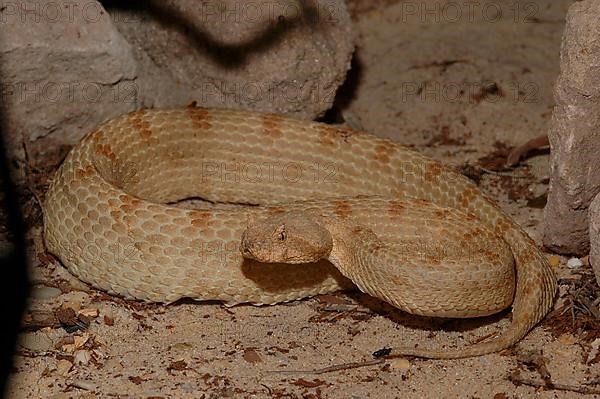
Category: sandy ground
<point>459,81</point>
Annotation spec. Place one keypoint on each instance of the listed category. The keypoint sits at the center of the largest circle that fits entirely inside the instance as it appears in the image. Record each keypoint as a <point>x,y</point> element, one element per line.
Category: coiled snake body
<point>401,226</point>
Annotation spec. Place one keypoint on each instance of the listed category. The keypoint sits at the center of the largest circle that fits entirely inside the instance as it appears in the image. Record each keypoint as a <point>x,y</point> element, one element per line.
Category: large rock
<point>575,133</point>
<point>281,56</point>
<point>594,213</point>
<point>68,66</point>
<point>65,68</point>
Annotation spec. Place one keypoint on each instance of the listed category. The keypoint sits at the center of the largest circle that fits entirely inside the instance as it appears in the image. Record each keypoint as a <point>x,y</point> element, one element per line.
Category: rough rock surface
<point>68,67</point>
<point>277,56</point>
<point>65,68</point>
<point>594,212</point>
<point>575,133</point>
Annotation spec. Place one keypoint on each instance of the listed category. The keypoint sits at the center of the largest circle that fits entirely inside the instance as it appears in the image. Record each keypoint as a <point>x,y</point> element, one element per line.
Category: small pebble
<point>75,300</point>
<point>89,312</point>
<point>401,364</point>
<point>80,340</point>
<point>574,263</point>
<point>82,357</point>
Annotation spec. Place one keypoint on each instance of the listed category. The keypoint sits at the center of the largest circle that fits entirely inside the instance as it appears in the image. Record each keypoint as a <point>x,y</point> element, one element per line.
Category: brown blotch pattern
<point>396,208</point>
<point>272,126</point>
<point>102,148</point>
<point>106,150</point>
<point>502,226</point>
<point>85,172</point>
<point>97,136</point>
<point>471,235</point>
<point>384,151</point>
<point>342,208</point>
<point>130,204</point>
<point>442,213</point>
<point>140,125</point>
<point>527,256</point>
<point>330,136</point>
<point>465,198</point>
<point>200,218</point>
<point>200,117</point>
<point>434,170</point>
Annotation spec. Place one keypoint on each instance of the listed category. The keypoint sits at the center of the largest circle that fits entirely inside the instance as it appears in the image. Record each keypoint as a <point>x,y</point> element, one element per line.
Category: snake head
<point>289,237</point>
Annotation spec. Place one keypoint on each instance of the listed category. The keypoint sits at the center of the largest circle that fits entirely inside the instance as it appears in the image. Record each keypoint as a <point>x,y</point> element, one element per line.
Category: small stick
<point>590,307</point>
<point>81,384</point>
<point>337,367</point>
<point>504,174</point>
<point>340,308</point>
<point>515,379</point>
<point>538,143</point>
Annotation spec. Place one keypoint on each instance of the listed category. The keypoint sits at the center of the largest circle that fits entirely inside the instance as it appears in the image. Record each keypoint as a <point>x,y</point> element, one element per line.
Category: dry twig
<point>337,367</point>
<point>516,379</point>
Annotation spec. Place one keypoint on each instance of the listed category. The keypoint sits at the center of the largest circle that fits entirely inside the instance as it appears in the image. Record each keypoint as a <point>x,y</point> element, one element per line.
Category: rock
<point>91,313</point>
<point>574,263</point>
<point>575,133</point>
<point>283,57</point>
<point>595,237</point>
<point>36,342</point>
<point>44,292</point>
<point>65,68</point>
<point>75,300</point>
<point>82,357</point>
<point>401,364</point>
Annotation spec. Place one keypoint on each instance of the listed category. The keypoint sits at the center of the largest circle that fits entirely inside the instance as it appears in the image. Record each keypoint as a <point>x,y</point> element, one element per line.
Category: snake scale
<point>401,226</point>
